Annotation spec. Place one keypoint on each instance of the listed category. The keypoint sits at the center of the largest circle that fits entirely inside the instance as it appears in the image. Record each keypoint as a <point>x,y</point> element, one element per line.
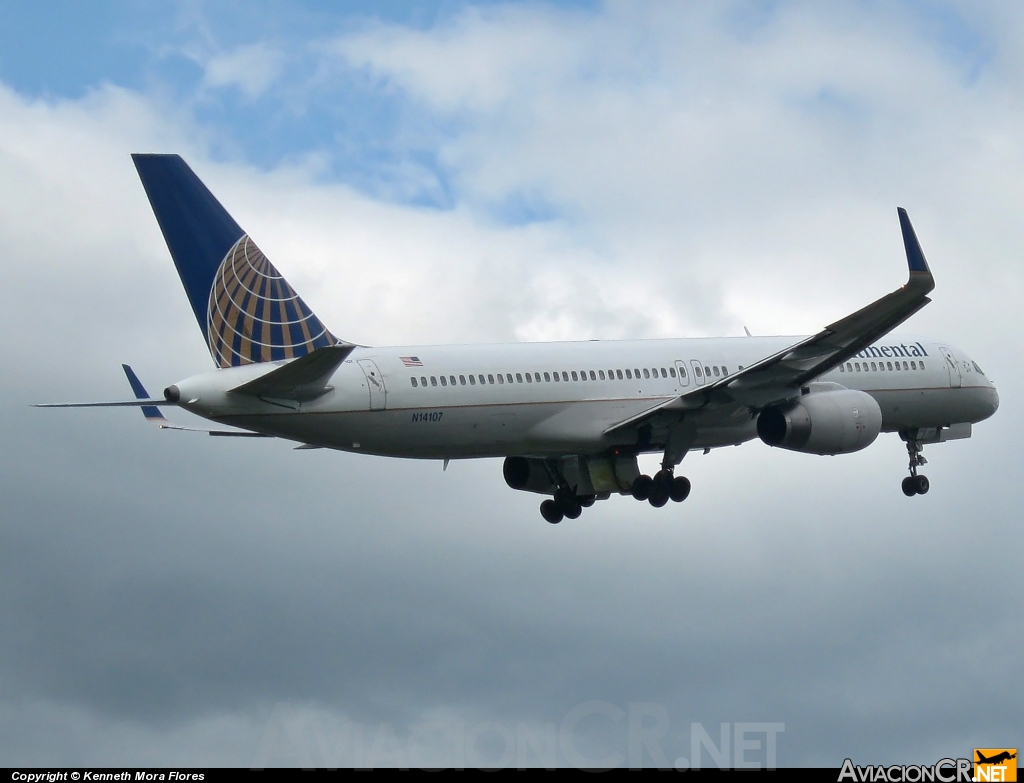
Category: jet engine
<point>528,474</point>
<point>832,422</point>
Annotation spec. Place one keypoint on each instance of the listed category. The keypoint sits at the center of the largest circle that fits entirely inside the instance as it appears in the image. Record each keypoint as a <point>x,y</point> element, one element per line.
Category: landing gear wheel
<point>587,501</point>
<point>922,485</point>
<point>680,489</point>
<point>551,512</point>
<point>642,487</point>
<point>658,498</point>
<point>573,511</point>
<point>910,486</point>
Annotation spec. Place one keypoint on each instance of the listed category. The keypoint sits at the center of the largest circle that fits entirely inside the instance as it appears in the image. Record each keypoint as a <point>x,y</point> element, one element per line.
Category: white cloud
<point>253,69</point>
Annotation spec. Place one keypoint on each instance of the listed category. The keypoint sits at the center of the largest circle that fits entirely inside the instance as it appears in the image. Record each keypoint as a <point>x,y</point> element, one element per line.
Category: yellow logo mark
<point>995,764</point>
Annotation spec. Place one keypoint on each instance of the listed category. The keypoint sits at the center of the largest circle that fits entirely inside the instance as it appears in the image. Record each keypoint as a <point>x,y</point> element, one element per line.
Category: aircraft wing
<point>780,376</point>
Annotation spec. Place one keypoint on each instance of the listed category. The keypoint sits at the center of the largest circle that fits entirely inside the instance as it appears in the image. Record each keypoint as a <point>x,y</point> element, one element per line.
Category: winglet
<point>151,412</point>
<point>915,256</point>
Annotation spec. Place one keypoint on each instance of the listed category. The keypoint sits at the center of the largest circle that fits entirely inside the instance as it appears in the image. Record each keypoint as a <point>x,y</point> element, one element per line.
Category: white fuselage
<point>548,399</point>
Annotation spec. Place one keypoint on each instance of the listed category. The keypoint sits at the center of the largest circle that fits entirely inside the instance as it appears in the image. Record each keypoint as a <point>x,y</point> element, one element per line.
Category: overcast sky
<point>453,172</point>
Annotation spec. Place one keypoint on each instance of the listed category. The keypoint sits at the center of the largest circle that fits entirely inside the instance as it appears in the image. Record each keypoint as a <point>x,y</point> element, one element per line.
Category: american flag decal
<point>411,361</point>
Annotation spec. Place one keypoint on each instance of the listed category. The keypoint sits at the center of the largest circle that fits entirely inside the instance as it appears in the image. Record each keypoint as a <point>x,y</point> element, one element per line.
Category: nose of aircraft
<point>993,400</point>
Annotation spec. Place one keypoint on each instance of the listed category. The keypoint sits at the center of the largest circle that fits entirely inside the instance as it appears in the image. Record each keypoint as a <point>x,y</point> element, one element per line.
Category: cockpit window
<point>976,367</point>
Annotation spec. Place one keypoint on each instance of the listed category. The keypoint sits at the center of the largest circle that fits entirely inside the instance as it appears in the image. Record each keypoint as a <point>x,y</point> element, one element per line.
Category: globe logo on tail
<point>255,316</point>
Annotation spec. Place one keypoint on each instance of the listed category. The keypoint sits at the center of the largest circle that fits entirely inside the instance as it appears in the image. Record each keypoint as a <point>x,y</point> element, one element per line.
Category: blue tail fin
<point>247,311</point>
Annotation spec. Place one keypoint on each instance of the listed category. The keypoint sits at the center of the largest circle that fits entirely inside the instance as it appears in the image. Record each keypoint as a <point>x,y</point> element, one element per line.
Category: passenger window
<point>921,365</point>
<point>462,378</point>
<point>600,374</point>
<point>618,374</point>
<point>490,379</point>
<point>913,365</point>
<point>841,368</point>
<point>547,378</point>
<point>715,369</point>
<point>501,378</point>
<point>707,372</point>
<point>576,377</point>
<point>636,374</point>
<point>519,377</point>
<point>414,383</point>
<point>444,381</point>
<point>593,376</point>
<point>664,373</point>
<point>629,375</point>
<point>699,372</point>
<point>483,380</point>
<point>889,364</point>
<point>433,380</point>
<point>472,381</point>
<point>647,373</point>
<point>529,378</point>
<point>423,381</point>
<point>556,379</point>
<point>873,368</point>
<point>536,377</point>
<point>451,379</point>
<point>849,367</point>
<point>905,366</point>
<point>671,371</point>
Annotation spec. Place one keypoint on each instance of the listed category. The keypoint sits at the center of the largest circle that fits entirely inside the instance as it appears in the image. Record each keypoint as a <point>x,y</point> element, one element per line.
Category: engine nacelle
<point>597,475</point>
<point>527,474</point>
<point>832,422</point>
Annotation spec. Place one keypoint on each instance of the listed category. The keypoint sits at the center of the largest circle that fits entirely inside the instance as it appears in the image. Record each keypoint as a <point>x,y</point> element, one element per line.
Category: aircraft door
<point>684,376</point>
<point>952,367</point>
<point>698,372</point>
<point>375,382</point>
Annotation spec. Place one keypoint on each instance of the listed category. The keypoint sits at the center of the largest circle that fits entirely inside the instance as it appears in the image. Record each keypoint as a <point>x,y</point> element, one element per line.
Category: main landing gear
<point>565,504</point>
<point>662,488</point>
<point>914,484</point>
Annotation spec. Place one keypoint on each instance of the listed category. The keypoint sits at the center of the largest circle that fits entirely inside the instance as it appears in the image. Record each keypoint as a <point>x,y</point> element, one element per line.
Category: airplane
<point>996,759</point>
<point>569,418</point>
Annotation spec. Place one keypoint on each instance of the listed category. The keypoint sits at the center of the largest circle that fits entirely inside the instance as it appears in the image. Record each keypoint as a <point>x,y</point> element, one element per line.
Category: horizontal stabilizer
<point>118,404</point>
<point>151,412</point>
<point>302,379</point>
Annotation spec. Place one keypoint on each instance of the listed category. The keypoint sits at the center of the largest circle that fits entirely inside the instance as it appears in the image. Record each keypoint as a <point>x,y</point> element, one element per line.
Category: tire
<point>587,501</point>
<point>909,486</point>
<point>573,512</point>
<point>922,485</point>
<point>680,489</point>
<point>551,512</point>
<point>642,487</point>
<point>658,498</point>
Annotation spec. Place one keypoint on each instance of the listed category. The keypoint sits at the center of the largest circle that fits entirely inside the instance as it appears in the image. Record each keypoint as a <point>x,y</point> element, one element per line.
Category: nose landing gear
<point>915,483</point>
